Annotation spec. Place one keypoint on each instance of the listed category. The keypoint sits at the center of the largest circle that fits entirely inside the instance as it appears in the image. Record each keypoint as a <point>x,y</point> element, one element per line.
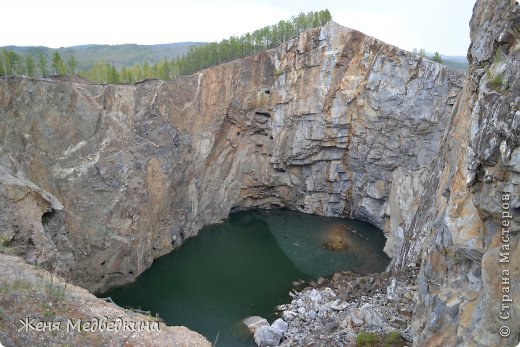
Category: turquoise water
<point>245,266</point>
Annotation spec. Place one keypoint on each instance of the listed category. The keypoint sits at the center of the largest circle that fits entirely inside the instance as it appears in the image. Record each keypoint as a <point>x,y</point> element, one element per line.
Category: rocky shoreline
<point>343,310</point>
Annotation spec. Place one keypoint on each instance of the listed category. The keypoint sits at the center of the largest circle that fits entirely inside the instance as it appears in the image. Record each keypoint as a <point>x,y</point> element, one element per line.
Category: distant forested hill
<point>118,55</point>
<point>131,63</point>
<point>454,61</point>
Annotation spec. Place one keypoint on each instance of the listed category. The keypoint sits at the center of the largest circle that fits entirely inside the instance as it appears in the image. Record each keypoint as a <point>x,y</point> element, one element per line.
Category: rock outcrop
<point>38,308</point>
<point>99,180</point>
<point>333,123</point>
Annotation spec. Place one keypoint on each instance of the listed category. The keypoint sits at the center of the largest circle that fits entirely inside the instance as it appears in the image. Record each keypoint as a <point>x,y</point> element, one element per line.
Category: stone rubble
<point>333,312</point>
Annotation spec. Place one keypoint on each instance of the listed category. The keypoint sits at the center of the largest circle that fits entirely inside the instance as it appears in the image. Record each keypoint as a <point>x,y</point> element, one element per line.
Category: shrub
<point>496,82</point>
<point>392,339</point>
<point>366,339</point>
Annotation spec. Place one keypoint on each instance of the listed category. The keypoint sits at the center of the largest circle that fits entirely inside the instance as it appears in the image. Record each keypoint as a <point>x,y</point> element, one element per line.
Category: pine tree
<point>325,17</point>
<point>113,76</point>
<point>71,65</point>
<point>12,62</point>
<point>3,65</point>
<point>437,58</point>
<point>146,70</point>
<point>42,65</point>
<point>124,75</point>
<point>58,65</point>
<point>30,66</point>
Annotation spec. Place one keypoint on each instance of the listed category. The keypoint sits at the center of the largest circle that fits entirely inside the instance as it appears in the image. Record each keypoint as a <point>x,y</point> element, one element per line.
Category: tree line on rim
<point>198,58</point>
<point>12,63</point>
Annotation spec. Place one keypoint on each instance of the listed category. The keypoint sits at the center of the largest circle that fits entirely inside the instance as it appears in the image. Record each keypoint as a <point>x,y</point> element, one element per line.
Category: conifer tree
<point>437,58</point>
<point>71,65</point>
<point>12,62</point>
<point>30,66</point>
<point>42,65</point>
<point>58,65</point>
<point>3,63</point>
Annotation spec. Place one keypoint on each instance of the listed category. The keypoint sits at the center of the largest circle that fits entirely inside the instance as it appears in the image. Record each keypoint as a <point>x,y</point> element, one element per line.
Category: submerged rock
<point>255,322</point>
<point>99,180</point>
<point>336,238</point>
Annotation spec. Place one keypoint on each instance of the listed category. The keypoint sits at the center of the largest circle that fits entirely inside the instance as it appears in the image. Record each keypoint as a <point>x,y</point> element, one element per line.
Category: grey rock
<point>280,324</point>
<point>266,336</point>
<point>289,315</point>
<point>338,305</point>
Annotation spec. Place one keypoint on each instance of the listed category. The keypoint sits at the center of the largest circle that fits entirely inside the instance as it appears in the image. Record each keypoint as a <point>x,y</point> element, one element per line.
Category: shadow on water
<point>245,266</point>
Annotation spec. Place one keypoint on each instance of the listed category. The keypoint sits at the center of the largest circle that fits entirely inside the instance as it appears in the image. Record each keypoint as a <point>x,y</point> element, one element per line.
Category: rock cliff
<point>333,123</point>
<point>467,227</point>
<point>99,180</point>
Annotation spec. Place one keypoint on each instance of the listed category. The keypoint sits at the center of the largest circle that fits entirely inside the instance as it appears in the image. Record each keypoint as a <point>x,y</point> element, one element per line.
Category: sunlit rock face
<point>333,123</point>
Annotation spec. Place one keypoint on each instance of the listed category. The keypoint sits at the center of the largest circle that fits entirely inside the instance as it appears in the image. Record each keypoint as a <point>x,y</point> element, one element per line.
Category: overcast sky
<point>435,25</point>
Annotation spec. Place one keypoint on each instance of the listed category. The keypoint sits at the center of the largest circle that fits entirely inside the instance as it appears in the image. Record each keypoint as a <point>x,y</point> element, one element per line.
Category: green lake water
<point>245,266</point>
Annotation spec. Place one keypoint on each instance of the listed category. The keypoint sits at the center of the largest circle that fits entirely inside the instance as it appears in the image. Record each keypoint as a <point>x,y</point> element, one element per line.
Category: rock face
<point>97,181</point>
<point>332,123</point>
<point>470,209</point>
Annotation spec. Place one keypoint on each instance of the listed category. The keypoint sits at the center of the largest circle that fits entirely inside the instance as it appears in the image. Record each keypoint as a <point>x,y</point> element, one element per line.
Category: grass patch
<point>54,292</point>
<point>497,58</point>
<point>366,339</point>
<point>21,285</point>
<point>393,339</point>
<point>4,244</point>
<point>496,82</point>
<point>48,311</point>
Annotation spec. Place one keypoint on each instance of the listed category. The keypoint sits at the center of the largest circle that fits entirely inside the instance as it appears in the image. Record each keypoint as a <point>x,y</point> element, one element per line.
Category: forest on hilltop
<point>132,63</point>
<point>197,56</point>
<point>211,54</point>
